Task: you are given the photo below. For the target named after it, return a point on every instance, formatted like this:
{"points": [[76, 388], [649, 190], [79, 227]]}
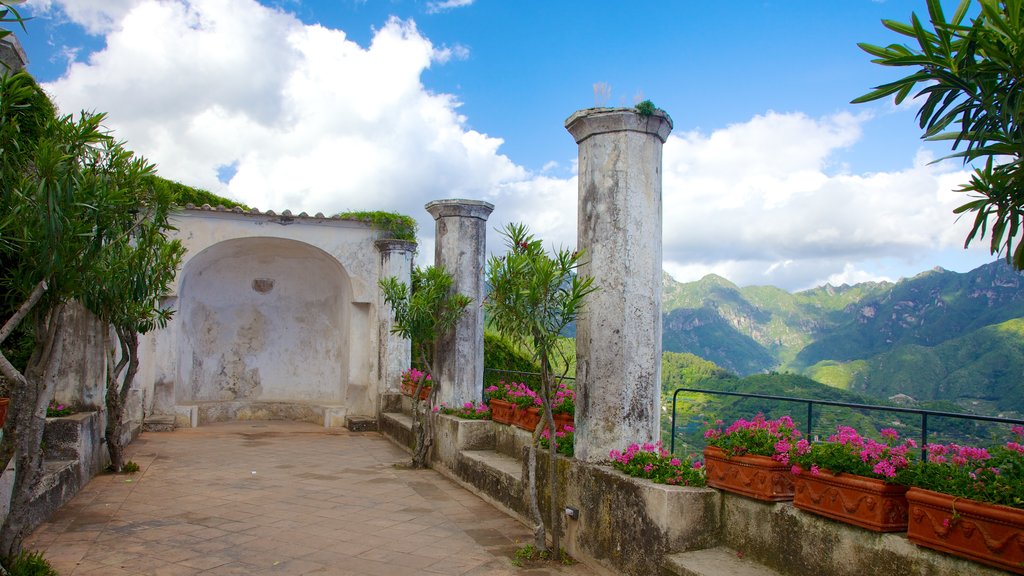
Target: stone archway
{"points": [[263, 320]]}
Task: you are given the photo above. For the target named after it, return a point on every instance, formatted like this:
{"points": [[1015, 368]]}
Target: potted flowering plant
{"points": [[652, 462], [468, 411], [509, 401], [970, 501], [565, 440], [751, 457], [411, 378], [854, 479]]}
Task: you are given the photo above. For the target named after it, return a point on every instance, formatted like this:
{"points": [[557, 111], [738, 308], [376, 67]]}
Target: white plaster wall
{"points": [[263, 319], [311, 338]]}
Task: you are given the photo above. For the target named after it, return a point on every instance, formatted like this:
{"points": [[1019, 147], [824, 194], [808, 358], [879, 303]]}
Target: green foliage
{"points": [[425, 310], [534, 297], [652, 462], [181, 194], [758, 436], [399, 226], [995, 476], [646, 108], [55, 410], [29, 563], [468, 411], [970, 87], [130, 467]]}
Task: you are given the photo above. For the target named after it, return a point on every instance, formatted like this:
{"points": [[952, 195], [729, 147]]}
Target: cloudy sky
{"points": [[770, 176]]}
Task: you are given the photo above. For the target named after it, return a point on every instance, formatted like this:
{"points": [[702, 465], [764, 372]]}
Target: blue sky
{"points": [[771, 176]]}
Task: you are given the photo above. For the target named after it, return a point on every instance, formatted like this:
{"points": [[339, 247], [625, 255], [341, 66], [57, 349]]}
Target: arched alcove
{"points": [[263, 319]]}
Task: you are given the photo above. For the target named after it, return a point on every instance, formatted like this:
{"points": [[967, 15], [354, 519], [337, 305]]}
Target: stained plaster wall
{"points": [[269, 308]]}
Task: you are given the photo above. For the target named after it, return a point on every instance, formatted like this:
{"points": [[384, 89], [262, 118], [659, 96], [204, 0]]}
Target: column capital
{"points": [[394, 245], [586, 123], [460, 208]]}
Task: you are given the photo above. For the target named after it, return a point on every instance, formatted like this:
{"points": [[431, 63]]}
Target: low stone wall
{"points": [[616, 512], [796, 542], [630, 526], [73, 453]]}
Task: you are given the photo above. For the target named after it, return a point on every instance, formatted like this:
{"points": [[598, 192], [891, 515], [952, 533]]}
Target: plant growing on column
{"points": [[425, 312], [534, 297]]}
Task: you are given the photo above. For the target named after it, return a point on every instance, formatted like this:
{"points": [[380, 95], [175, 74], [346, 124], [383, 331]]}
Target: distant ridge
{"points": [[939, 335]]}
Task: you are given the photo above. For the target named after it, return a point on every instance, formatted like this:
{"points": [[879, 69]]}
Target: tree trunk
{"points": [[117, 393], [549, 420], [540, 540], [422, 429], [23, 432]]}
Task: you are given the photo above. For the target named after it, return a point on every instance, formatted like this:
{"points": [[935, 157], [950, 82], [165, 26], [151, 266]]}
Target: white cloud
{"points": [[444, 5], [309, 120], [95, 16], [766, 202]]}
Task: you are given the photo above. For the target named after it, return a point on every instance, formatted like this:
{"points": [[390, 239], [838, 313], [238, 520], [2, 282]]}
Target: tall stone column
{"points": [[394, 351], [461, 248], [618, 335]]}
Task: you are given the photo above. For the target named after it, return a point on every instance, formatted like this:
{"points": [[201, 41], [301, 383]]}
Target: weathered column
{"points": [[12, 55], [460, 247], [394, 351], [618, 336]]}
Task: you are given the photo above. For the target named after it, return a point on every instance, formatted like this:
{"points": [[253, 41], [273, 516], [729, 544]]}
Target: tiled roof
{"points": [[257, 212]]}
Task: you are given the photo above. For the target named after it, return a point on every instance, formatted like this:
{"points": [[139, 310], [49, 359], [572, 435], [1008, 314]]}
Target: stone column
{"points": [[12, 55], [618, 335], [460, 247], [394, 351]]}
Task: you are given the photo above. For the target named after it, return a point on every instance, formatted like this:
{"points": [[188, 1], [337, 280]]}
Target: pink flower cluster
{"points": [[884, 460], [957, 455], [1017, 446], [412, 377], [653, 462], [468, 410], [758, 436]]}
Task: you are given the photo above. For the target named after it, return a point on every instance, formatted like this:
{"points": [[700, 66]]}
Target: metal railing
{"points": [[812, 402]]}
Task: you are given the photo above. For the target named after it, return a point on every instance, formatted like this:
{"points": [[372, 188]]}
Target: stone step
{"points": [[718, 561], [162, 423], [398, 427], [496, 461]]}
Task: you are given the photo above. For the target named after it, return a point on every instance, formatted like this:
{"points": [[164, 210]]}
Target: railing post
{"points": [[810, 425], [672, 429], [924, 437]]}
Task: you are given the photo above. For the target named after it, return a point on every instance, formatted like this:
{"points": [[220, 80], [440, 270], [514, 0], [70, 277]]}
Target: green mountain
{"points": [[937, 336], [695, 411]]}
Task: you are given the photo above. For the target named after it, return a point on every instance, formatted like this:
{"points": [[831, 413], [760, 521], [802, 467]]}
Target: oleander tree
{"points": [[425, 311], [76, 218], [534, 296], [967, 77], [135, 271]]}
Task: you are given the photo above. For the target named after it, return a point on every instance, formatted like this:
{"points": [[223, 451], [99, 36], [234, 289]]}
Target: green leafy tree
{"points": [[425, 311], [534, 298], [50, 236], [970, 84], [134, 273]]}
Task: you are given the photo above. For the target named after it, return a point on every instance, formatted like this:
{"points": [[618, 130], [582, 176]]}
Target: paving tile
{"points": [[322, 502]]}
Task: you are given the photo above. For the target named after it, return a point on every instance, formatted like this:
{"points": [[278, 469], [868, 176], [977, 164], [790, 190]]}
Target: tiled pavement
{"points": [[259, 498]]}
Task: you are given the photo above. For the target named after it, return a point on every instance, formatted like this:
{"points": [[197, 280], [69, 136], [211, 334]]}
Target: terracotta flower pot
{"points": [[527, 418], [866, 502], [502, 411], [986, 533], [409, 389], [757, 477], [563, 420], [4, 403]]}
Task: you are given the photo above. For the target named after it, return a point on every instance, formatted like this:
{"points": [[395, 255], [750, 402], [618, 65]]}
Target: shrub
{"points": [[468, 411], [29, 564]]}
